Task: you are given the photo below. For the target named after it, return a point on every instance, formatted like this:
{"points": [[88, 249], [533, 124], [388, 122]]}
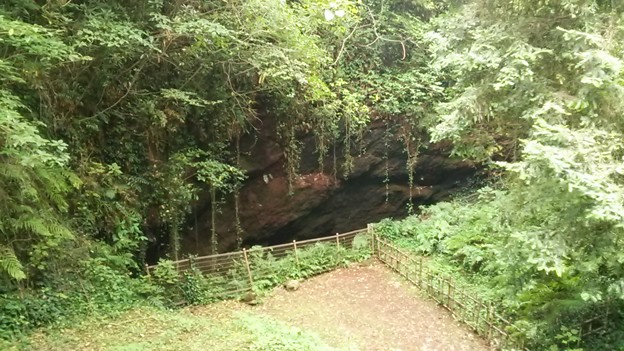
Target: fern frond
{"points": [[12, 171], [10, 264], [34, 225], [60, 231]]}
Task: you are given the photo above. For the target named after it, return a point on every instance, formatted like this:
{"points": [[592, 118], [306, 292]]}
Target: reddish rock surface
{"points": [[322, 204]]}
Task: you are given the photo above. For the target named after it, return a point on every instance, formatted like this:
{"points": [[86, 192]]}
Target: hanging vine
{"points": [[386, 180], [326, 130], [213, 220], [237, 222], [174, 241], [292, 152], [221, 178], [355, 118], [412, 142], [335, 162], [321, 150], [347, 165]]}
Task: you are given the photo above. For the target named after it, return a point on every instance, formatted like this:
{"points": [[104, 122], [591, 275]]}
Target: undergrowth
{"points": [[471, 241], [268, 271], [216, 328], [102, 291], [269, 334], [95, 288]]}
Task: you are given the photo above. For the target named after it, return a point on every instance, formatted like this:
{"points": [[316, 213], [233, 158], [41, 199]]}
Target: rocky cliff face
{"points": [[323, 204]]}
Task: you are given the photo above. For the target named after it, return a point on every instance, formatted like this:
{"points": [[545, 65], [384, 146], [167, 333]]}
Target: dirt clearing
{"points": [[368, 307]]}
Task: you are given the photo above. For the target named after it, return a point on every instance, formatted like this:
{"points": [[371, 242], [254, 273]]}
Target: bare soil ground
{"points": [[367, 307]]}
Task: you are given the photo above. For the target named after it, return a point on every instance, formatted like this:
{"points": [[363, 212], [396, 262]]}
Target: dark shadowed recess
{"points": [[362, 201]]}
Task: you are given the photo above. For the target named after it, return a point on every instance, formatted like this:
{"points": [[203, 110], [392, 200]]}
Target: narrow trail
{"points": [[369, 308]]}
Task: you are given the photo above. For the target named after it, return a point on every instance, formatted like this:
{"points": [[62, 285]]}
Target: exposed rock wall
{"points": [[322, 204]]}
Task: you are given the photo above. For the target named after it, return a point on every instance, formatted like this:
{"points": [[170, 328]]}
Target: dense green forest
{"points": [[115, 115]]}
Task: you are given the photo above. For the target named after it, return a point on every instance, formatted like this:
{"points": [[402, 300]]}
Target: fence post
{"points": [[296, 253], [442, 280], [397, 260], [420, 271], [337, 240], [476, 313], [372, 245], [369, 231], [488, 321], [464, 308], [430, 287], [248, 269], [149, 275], [387, 253], [450, 283]]}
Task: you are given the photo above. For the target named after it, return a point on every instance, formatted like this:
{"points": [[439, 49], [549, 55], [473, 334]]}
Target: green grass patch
{"points": [[220, 327]]}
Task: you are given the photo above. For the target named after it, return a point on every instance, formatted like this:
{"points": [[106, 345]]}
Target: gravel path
{"points": [[369, 308]]}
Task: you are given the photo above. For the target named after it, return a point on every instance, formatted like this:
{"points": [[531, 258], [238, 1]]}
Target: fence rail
{"points": [[344, 239]]}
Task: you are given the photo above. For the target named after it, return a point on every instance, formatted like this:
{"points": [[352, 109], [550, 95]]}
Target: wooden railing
{"points": [[596, 324], [234, 273], [222, 262], [478, 315]]}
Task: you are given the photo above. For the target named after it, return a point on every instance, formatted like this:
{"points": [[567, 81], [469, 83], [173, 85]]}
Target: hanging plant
{"points": [[386, 180], [412, 143]]}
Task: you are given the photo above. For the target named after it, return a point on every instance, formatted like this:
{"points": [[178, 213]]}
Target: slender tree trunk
{"points": [[213, 215], [239, 229], [175, 241]]}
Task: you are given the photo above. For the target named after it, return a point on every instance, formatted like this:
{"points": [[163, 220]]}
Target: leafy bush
{"points": [[268, 271], [99, 289], [484, 244], [321, 257]]}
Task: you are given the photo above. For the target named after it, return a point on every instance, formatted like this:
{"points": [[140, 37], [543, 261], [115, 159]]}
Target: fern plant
{"points": [[10, 264], [33, 185]]}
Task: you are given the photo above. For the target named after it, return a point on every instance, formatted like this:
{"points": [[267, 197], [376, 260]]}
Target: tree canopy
{"points": [[115, 114]]}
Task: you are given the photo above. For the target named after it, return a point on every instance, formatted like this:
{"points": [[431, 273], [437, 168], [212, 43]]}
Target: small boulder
{"points": [[292, 285], [250, 298]]}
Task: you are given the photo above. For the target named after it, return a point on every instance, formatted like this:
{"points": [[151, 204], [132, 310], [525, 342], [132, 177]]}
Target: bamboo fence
{"points": [[236, 272], [478, 315]]}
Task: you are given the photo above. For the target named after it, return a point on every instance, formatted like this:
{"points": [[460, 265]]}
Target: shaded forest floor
{"points": [[365, 307]]}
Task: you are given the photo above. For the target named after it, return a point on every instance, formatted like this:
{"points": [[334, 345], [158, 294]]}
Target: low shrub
{"points": [[98, 289], [489, 247], [268, 271]]}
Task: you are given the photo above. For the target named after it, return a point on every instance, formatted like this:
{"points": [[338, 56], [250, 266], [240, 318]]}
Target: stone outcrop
{"points": [[321, 203]]}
